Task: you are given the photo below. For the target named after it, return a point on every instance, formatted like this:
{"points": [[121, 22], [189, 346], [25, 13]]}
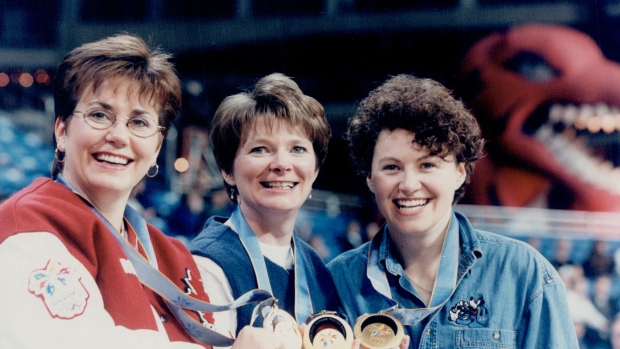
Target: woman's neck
{"points": [[421, 256], [113, 212], [417, 252], [110, 205], [270, 227]]}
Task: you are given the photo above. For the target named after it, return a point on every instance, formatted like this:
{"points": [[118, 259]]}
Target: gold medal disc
{"points": [[378, 331], [285, 326], [326, 330]]}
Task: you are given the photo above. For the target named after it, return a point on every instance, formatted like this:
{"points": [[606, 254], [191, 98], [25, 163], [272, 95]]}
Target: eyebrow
{"points": [[294, 139], [390, 158], [135, 112], [99, 103], [420, 158]]}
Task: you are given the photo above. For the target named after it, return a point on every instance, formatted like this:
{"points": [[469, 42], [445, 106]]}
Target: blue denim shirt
{"points": [[507, 295]]}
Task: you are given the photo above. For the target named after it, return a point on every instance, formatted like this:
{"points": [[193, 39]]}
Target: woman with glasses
{"points": [[80, 268]]}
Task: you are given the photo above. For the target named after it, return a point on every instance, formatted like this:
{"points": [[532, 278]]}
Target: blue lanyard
{"points": [[445, 282], [160, 284], [134, 219], [303, 302]]}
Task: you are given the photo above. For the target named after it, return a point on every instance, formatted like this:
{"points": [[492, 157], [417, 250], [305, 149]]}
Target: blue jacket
{"points": [[222, 245], [507, 295]]}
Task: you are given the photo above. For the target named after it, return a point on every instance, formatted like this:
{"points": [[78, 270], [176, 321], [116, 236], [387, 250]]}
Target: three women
{"points": [[63, 244]]}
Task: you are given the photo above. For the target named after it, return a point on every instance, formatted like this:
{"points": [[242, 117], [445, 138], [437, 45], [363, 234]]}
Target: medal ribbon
{"points": [[303, 303], [151, 277], [445, 282]]}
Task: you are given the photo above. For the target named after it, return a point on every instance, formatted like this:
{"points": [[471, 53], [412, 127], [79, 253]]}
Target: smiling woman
{"points": [[274, 169], [450, 285], [104, 164], [86, 265], [269, 144]]}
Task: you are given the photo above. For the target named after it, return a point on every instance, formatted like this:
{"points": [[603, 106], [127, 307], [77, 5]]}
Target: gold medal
{"points": [[285, 326], [327, 330], [378, 331]]}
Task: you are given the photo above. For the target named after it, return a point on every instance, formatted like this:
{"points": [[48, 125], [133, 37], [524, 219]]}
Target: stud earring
{"points": [[310, 195]]}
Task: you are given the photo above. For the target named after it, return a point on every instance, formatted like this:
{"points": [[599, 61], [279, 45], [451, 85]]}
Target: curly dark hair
{"points": [[425, 107]]}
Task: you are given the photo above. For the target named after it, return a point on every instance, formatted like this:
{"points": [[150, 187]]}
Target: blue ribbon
{"points": [[445, 282], [303, 302], [159, 283]]}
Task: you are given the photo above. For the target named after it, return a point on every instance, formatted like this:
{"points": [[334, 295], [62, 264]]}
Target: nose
{"points": [[281, 162], [118, 133], [410, 182]]}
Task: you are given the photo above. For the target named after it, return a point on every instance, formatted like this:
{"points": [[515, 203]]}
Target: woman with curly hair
{"points": [[448, 284]]}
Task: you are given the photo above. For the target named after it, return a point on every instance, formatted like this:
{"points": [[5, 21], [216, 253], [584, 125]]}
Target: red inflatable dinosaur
{"points": [[548, 102]]}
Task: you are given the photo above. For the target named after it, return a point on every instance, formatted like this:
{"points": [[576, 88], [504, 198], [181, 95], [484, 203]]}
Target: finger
{"points": [[404, 343]]}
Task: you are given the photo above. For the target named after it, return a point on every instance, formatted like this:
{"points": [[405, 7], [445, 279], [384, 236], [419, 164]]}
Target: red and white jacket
{"points": [[65, 282]]}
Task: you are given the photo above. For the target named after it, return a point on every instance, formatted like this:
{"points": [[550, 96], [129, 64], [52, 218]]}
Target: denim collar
{"points": [[470, 249]]}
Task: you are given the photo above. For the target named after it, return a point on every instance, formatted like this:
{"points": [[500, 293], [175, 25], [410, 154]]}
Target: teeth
{"points": [[608, 123], [573, 154], [595, 118], [412, 203], [601, 109], [594, 124], [113, 159], [279, 184]]}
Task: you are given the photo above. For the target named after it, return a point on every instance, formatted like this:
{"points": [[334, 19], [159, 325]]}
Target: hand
{"points": [[257, 338], [302, 329], [404, 343]]}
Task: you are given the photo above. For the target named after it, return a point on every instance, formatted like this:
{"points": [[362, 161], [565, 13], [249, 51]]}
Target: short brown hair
{"points": [[424, 107], [121, 55], [274, 96]]}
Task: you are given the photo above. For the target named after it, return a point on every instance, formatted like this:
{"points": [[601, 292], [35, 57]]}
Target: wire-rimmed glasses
{"points": [[141, 126]]}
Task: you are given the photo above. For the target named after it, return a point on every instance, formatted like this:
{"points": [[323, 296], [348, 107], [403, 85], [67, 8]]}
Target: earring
{"points": [[154, 174], [232, 193], [310, 195], [57, 157]]}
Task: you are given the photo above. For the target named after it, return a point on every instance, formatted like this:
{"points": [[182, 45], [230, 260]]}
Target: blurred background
{"points": [[552, 180]]}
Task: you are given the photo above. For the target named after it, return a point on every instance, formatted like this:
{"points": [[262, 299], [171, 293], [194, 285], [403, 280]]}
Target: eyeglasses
{"points": [[101, 119]]}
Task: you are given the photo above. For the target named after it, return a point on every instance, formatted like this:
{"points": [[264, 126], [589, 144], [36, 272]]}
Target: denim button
{"points": [[496, 335]]}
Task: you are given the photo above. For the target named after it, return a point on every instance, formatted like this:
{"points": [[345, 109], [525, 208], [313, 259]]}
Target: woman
{"points": [[269, 144], [452, 285], [71, 246]]}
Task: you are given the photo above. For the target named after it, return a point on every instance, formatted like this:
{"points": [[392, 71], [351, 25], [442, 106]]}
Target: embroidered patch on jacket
{"points": [[472, 313], [61, 290]]}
